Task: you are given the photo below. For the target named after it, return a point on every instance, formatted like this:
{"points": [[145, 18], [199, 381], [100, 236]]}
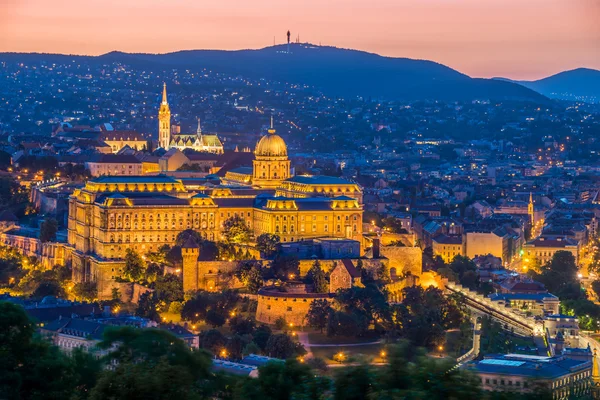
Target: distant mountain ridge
{"points": [[580, 83], [337, 72]]}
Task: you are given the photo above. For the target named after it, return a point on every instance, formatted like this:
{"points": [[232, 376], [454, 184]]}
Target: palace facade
{"points": [[170, 136], [114, 213]]}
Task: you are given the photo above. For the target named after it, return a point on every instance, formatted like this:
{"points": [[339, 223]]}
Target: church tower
{"points": [[271, 165], [530, 209], [164, 121]]}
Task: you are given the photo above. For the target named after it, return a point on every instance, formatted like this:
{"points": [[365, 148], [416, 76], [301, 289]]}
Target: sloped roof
{"points": [[352, 270]]}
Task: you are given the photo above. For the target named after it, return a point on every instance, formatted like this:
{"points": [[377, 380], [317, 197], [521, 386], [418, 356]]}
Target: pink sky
{"points": [[521, 39]]}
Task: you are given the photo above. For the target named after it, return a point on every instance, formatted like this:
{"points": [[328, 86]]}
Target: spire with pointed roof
{"points": [[164, 96], [164, 121], [199, 130]]}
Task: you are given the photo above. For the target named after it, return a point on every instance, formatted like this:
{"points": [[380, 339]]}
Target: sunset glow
{"points": [[515, 38]]}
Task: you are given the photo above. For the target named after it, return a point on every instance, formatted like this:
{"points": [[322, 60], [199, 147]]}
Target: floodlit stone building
{"points": [[114, 213]]}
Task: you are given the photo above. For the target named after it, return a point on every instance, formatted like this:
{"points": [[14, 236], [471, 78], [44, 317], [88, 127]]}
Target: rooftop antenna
{"points": [[288, 36]]}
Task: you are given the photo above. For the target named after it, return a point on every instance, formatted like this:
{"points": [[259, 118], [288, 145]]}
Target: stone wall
{"points": [[403, 259], [292, 308], [48, 254]]}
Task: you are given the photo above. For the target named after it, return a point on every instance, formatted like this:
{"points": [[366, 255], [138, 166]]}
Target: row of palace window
{"points": [[314, 218], [197, 224], [284, 228], [119, 239], [503, 382], [166, 216]]}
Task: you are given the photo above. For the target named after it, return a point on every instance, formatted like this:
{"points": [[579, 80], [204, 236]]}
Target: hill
{"points": [[580, 84], [338, 72]]}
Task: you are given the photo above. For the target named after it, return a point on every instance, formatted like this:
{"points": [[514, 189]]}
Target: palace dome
{"points": [[271, 145]]}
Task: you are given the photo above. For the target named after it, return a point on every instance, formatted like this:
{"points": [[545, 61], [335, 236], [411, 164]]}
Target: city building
{"points": [[114, 164], [170, 136], [117, 140], [114, 213], [447, 247], [534, 303], [543, 249], [563, 376]]}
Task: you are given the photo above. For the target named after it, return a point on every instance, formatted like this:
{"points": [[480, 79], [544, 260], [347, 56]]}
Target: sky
{"points": [[518, 39]]}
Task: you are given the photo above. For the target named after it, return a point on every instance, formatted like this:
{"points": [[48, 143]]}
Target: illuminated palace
{"points": [[170, 136], [114, 213]]}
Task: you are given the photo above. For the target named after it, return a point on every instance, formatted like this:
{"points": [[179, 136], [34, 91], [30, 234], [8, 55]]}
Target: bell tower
{"points": [[530, 209], [164, 121]]}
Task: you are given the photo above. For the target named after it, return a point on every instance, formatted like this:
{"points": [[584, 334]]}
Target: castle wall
{"points": [[292, 309], [48, 254], [404, 259]]}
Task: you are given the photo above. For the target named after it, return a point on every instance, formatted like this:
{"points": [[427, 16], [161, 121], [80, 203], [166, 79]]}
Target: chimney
{"points": [[376, 248]]}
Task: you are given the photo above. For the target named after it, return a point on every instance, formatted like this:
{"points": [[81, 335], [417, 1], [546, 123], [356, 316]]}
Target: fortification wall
{"points": [[48, 254], [292, 309]]}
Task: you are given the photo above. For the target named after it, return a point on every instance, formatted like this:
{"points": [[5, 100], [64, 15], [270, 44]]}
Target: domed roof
{"points": [[271, 145]]}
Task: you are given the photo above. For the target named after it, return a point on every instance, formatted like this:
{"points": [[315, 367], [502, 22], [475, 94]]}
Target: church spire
{"points": [[199, 130], [164, 97]]}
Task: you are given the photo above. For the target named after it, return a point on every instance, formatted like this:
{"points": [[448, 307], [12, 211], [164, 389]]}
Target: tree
{"points": [[368, 305], [283, 381], [267, 244], [48, 288], [261, 336], [31, 368], [317, 277], [354, 383], [147, 306], [596, 287], [318, 314], [465, 269], [151, 364], [213, 341], [183, 237], [235, 347], [559, 276], [48, 230], [425, 314], [213, 308], [153, 272], [344, 323], [115, 295], [88, 291], [134, 265], [285, 267], [235, 230], [241, 325], [251, 348], [250, 274], [168, 288], [282, 346]]}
